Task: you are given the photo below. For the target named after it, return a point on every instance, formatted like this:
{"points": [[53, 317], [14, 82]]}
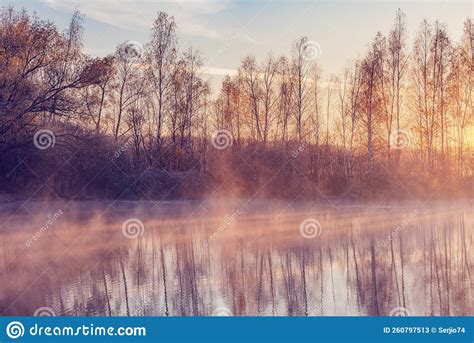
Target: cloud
{"points": [[200, 6], [215, 71], [139, 15], [195, 29]]}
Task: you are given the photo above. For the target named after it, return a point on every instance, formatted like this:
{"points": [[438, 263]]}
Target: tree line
{"points": [[143, 122]]}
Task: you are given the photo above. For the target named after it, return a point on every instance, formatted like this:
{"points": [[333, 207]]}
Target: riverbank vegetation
{"points": [[145, 123]]}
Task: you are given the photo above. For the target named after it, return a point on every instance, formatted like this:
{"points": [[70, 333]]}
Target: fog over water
{"points": [[263, 258]]}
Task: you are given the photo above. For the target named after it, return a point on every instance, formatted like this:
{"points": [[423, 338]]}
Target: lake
{"points": [[241, 258]]}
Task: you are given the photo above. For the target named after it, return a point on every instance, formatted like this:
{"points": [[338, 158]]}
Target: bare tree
{"points": [[286, 90], [461, 95], [161, 54], [40, 69], [95, 95], [397, 60], [371, 69], [128, 85], [430, 56], [269, 94], [253, 86], [301, 67], [354, 108], [316, 115]]}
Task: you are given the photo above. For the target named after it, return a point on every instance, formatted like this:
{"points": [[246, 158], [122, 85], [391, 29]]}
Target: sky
{"points": [[225, 31]]}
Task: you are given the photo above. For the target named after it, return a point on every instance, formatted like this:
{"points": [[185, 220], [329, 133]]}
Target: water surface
{"points": [[215, 258]]}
